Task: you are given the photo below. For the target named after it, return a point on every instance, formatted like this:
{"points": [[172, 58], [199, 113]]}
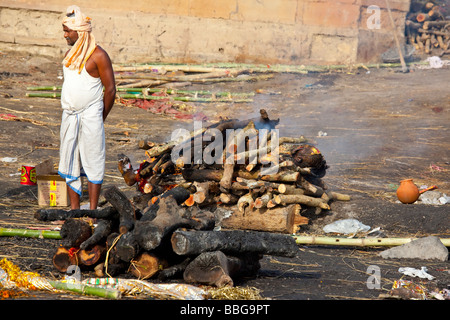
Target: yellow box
{"points": [[52, 191]]}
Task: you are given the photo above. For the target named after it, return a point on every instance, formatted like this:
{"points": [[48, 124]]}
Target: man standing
{"points": [[87, 69]]}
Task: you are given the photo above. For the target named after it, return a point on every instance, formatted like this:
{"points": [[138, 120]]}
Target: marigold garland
{"points": [[19, 277]]}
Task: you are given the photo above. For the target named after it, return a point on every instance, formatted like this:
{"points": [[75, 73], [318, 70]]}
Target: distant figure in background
{"points": [[87, 69]]}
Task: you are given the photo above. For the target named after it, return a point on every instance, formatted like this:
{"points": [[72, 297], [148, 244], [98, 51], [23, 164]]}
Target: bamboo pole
{"points": [[302, 69], [146, 97], [154, 90], [47, 234], [86, 290], [44, 95], [357, 242], [185, 99]]}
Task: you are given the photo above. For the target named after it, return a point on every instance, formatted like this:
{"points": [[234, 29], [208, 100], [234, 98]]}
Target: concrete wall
{"points": [[199, 31]]}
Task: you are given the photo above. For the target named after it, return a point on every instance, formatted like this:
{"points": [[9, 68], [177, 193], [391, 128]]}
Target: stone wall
{"points": [[200, 31]]}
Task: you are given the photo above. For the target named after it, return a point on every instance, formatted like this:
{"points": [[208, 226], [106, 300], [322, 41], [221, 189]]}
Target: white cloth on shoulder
{"points": [[82, 135]]}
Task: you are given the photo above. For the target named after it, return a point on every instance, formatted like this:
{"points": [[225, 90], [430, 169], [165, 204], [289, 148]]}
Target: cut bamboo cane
{"points": [[46, 234], [44, 95], [86, 290], [361, 242], [146, 97], [184, 99]]}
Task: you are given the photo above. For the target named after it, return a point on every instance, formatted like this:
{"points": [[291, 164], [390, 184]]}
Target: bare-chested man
{"points": [[87, 97]]}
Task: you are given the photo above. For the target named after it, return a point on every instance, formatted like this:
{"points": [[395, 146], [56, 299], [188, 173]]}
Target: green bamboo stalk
{"points": [[44, 95], [141, 96], [302, 69], [45, 88], [153, 90], [47, 234], [186, 92], [185, 99], [86, 290], [357, 242]]}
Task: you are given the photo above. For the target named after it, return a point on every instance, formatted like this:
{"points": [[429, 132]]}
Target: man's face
{"points": [[70, 35]]}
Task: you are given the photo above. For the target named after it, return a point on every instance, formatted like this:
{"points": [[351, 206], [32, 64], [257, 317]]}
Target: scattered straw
{"points": [[234, 293]]}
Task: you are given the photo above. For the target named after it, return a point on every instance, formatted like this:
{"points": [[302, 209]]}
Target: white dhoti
{"points": [[82, 149]]}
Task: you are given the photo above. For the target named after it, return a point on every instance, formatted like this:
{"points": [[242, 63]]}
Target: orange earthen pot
{"points": [[407, 192]]}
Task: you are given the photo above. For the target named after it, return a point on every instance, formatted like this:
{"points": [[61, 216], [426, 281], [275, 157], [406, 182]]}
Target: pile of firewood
{"points": [[428, 30], [209, 223]]}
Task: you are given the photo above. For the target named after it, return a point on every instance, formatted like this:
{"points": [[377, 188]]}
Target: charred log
{"points": [[126, 211], [233, 242], [217, 269], [101, 232], [74, 232], [60, 214]]}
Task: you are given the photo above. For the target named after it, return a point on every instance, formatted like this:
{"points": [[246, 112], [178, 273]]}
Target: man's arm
{"points": [[106, 74]]}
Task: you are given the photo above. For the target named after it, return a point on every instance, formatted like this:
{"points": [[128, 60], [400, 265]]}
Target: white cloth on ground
{"points": [[82, 135]]}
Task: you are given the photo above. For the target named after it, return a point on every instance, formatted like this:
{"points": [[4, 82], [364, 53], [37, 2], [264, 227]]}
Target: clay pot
{"points": [[407, 192]]}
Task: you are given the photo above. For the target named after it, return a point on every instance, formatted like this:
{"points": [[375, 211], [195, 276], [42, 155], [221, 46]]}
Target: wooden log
{"points": [[145, 144], [217, 269], [203, 190], [435, 32], [237, 141], [61, 214], [422, 17], [101, 232], [227, 176], [261, 202], [339, 196], [189, 202], [228, 198], [162, 159], [434, 24], [127, 247], [284, 176], [174, 271], [289, 189], [74, 232], [168, 167], [253, 184], [146, 265], [202, 175], [271, 204], [292, 140], [411, 25], [233, 242], [285, 199], [170, 216], [279, 219], [310, 188], [91, 256], [246, 201], [124, 206], [62, 259]]}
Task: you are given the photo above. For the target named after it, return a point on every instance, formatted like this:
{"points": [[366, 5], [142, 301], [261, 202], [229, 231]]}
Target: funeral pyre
{"points": [[206, 222]]}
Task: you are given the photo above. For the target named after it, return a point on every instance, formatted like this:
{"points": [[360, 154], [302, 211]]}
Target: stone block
{"points": [[283, 11], [333, 49], [331, 14]]}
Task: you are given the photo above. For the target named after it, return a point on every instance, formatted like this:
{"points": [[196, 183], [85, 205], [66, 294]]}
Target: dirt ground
{"points": [[374, 128]]}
